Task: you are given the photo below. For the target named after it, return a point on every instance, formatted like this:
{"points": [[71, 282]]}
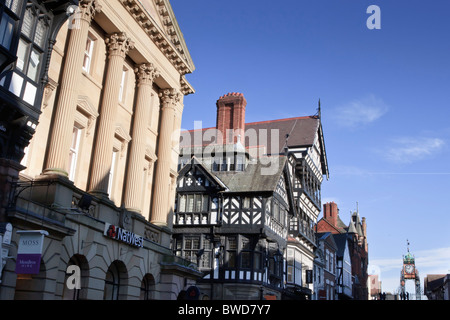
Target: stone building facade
{"points": [[98, 177]]}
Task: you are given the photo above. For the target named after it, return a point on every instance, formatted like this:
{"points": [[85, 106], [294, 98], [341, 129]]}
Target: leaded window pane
{"points": [[198, 203], [232, 244], [41, 32], [34, 64], [205, 203], [28, 21], [22, 53], [6, 30], [13, 5], [182, 204], [245, 260], [190, 203]]}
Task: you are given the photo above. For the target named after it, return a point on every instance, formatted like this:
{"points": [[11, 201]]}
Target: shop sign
{"points": [[120, 234], [29, 252]]}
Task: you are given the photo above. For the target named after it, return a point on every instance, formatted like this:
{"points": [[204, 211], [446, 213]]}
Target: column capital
{"points": [[146, 73], [118, 44], [170, 96], [88, 9]]}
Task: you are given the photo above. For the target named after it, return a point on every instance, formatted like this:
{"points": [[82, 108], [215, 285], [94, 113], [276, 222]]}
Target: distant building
{"points": [[374, 287], [355, 234], [437, 286], [248, 197], [325, 267], [344, 277]]}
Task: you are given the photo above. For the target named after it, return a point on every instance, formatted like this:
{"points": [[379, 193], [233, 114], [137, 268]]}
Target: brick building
{"points": [[356, 235]]}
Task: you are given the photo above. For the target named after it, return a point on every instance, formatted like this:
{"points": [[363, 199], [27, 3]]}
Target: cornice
{"points": [[172, 28], [170, 46], [186, 87]]}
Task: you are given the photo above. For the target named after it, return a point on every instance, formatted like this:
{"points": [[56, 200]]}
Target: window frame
{"points": [[112, 172], [123, 82], [74, 152], [21, 82], [88, 54], [189, 200]]}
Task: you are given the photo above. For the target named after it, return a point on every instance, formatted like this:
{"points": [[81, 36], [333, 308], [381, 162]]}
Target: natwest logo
{"points": [[120, 234]]}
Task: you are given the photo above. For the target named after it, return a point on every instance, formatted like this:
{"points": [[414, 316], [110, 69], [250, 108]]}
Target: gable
{"points": [[153, 11], [194, 177], [281, 189], [157, 19]]}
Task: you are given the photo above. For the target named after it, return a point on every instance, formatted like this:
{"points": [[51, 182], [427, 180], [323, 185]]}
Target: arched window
{"points": [[148, 287], [115, 281]]}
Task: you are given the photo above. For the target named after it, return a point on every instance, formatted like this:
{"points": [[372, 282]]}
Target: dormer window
{"points": [[227, 162]]}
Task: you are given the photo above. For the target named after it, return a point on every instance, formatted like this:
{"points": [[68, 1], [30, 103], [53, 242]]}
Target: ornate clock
{"points": [[409, 272], [409, 266]]}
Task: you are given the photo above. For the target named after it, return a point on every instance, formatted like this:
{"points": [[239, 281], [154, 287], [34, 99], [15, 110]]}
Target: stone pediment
{"points": [[157, 19], [152, 9]]}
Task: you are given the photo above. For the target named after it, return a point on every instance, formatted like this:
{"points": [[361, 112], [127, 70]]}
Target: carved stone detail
{"points": [[172, 49], [88, 9], [170, 96], [119, 44], [48, 91], [146, 73], [151, 235]]}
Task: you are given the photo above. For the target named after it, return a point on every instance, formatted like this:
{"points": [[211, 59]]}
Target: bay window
{"points": [[24, 81]]}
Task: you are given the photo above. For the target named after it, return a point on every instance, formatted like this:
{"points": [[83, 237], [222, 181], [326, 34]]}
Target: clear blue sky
{"points": [[385, 98]]}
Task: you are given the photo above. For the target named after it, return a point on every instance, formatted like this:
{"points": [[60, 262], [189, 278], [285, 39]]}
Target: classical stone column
{"points": [[145, 73], [61, 132], [118, 47], [161, 193]]}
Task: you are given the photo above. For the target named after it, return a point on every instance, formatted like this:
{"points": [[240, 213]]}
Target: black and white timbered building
{"points": [[246, 207]]}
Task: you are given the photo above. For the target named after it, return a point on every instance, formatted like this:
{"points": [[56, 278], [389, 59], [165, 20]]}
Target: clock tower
{"points": [[409, 272]]}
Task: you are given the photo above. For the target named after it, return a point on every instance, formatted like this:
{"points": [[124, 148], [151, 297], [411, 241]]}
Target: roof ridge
{"points": [[284, 119], [259, 122]]}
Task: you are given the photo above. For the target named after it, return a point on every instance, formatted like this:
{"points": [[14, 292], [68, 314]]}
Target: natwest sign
{"points": [[120, 234]]}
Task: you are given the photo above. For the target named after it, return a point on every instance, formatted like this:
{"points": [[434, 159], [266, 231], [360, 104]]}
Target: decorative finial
{"points": [[318, 110]]}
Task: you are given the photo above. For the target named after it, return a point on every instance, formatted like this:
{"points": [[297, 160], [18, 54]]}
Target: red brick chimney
{"points": [[231, 117], [330, 213]]}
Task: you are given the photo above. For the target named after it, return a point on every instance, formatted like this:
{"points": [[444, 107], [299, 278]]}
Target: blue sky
{"points": [[385, 96]]}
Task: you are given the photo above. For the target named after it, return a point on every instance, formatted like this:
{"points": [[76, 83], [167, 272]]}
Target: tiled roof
{"points": [[298, 132], [253, 178]]}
